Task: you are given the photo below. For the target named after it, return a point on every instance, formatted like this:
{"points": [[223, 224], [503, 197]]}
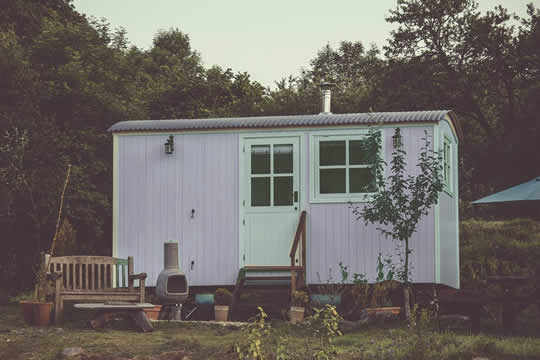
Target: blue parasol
{"points": [[527, 191]]}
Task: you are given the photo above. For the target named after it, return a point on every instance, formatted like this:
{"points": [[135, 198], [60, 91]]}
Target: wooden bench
{"points": [[94, 278]]}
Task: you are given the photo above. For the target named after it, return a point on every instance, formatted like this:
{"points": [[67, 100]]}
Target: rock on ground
{"points": [[72, 353]]}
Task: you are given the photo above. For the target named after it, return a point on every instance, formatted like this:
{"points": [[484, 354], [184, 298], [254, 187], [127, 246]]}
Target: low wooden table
{"points": [[108, 311]]}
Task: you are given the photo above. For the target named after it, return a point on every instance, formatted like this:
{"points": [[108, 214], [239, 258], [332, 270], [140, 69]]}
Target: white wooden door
{"points": [[272, 197]]}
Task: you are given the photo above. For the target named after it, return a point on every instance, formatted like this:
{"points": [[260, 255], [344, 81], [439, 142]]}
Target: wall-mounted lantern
{"points": [[169, 145], [397, 140]]}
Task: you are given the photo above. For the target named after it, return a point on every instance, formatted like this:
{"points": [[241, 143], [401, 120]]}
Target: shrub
{"points": [[256, 332], [299, 298], [222, 296]]}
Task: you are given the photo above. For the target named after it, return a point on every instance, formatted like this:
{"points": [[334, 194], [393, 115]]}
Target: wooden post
{"points": [[293, 277], [304, 262], [58, 303], [130, 272]]}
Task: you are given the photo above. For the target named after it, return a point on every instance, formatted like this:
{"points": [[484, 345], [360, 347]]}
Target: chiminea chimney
{"points": [[326, 97]]}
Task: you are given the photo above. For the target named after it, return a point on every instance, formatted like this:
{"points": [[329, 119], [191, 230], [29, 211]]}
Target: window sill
{"points": [[352, 199]]}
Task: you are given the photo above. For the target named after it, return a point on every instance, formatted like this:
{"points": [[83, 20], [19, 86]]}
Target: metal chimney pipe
{"points": [[326, 97], [170, 255]]}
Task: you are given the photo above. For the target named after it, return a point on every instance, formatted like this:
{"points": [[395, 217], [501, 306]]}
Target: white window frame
{"points": [[447, 164], [346, 135]]}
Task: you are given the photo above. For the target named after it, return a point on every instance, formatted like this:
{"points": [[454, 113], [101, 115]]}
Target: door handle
{"points": [[295, 196]]}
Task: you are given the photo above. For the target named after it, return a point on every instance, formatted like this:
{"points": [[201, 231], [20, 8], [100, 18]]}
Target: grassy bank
{"points": [[18, 341]]}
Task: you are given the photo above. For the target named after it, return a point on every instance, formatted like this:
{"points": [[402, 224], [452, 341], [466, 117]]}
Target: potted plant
{"points": [[153, 313], [41, 306], [298, 300], [330, 293], [222, 298], [380, 294]]}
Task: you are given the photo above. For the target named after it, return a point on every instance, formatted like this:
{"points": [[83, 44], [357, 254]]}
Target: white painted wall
{"points": [[449, 219], [335, 235], [156, 193]]}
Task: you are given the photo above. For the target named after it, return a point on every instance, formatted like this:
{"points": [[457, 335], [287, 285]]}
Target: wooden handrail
{"points": [[300, 234], [299, 230]]}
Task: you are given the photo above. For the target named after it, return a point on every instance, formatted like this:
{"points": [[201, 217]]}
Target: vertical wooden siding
{"points": [[157, 193], [448, 220], [335, 235]]}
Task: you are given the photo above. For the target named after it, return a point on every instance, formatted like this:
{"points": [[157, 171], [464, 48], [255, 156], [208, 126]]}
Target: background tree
{"points": [[401, 200], [475, 65]]}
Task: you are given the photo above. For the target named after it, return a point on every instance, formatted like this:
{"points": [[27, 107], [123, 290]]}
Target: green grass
{"points": [[19, 341]]}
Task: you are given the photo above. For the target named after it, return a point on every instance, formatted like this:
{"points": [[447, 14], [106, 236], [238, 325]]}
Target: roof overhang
{"points": [[294, 121]]}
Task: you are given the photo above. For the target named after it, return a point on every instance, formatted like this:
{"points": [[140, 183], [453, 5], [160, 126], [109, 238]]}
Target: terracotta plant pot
{"points": [[296, 314], [27, 309], [42, 313], [153, 313], [221, 312]]}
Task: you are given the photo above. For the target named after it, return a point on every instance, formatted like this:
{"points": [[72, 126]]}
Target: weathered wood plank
{"points": [[117, 268], [92, 276], [86, 259], [68, 277], [130, 271], [80, 276], [94, 281], [99, 275], [86, 276]]}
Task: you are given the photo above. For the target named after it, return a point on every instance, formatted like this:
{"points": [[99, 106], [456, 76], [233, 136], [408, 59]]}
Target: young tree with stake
{"points": [[401, 199]]}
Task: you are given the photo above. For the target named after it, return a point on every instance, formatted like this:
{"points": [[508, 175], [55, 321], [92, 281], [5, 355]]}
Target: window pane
{"points": [[359, 153], [332, 181], [260, 159], [361, 181], [283, 190], [331, 153], [260, 191], [283, 159]]}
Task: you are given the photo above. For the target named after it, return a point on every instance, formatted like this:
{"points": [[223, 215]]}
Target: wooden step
{"points": [[267, 278], [272, 268]]}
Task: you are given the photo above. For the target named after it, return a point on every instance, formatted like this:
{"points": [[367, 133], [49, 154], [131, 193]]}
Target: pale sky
{"points": [[268, 39]]}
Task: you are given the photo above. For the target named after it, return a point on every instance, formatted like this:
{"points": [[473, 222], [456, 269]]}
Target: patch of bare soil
{"points": [[171, 355]]}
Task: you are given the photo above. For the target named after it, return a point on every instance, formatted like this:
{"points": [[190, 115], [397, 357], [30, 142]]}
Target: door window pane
{"points": [[260, 191], [359, 153], [283, 159], [332, 153], [332, 181], [283, 191], [260, 159], [361, 181]]}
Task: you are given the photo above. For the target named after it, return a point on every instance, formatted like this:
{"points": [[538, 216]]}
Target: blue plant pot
{"points": [[204, 299], [324, 299]]}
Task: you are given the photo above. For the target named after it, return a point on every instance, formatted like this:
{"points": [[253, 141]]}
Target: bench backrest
{"points": [[92, 272]]}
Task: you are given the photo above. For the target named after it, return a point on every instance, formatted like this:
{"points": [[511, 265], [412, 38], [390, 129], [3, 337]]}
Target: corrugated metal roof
{"points": [[281, 121]]}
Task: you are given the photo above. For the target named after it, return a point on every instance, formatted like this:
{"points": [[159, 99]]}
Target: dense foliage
{"points": [[499, 248], [67, 78]]}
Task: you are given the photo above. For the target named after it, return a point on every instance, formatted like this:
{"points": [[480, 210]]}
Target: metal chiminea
{"points": [[171, 288]]}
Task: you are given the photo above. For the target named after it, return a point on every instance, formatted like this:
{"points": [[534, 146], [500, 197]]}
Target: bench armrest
{"points": [[140, 276]]}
